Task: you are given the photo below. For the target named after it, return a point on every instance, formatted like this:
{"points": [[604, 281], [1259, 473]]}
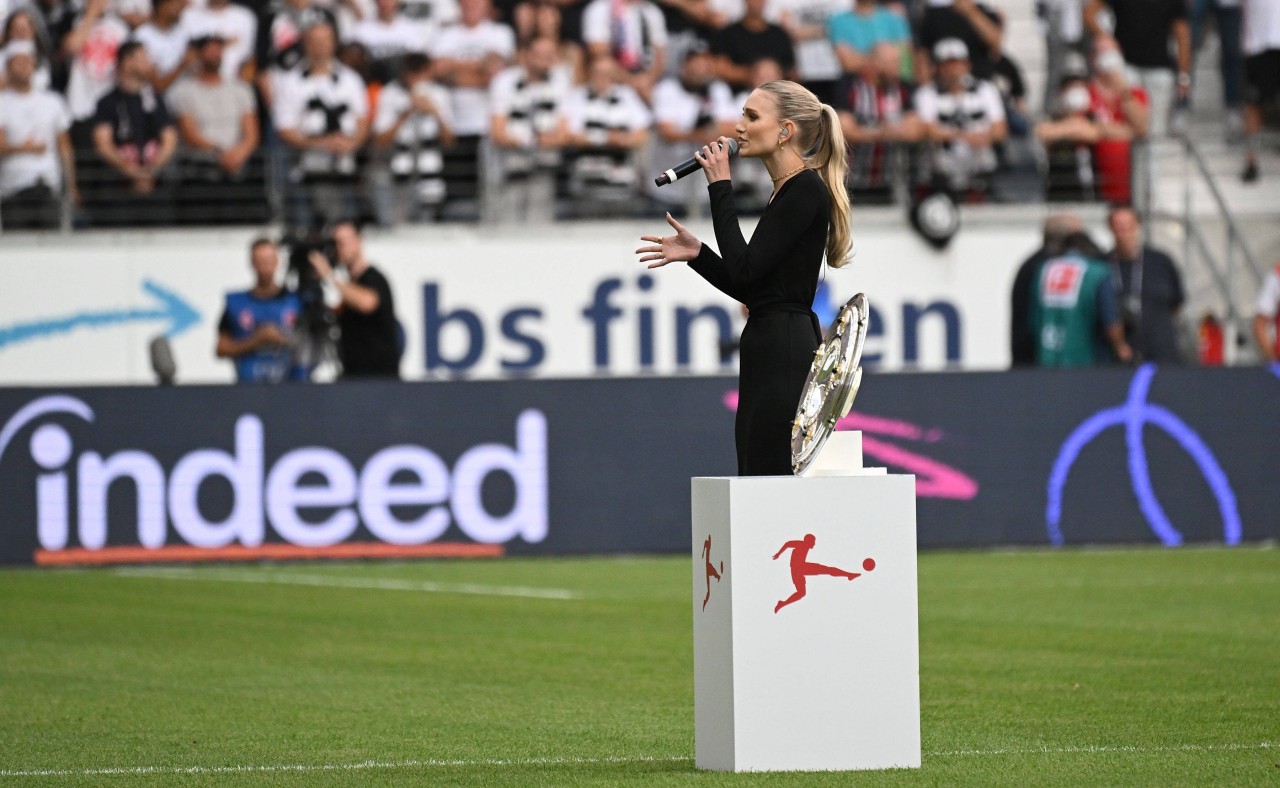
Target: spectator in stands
{"points": [[91, 47], [257, 327], [689, 112], [633, 32], [690, 24], [1149, 288], [133, 12], [217, 123], [279, 49], [608, 126], [322, 115], [412, 126], [36, 158], [1144, 30], [856, 32], [1073, 311], [1228, 17], [1022, 339], [963, 118], [371, 343], [877, 114], [1266, 322], [1006, 75], [974, 23], [1069, 139], [389, 37], [21, 25], [559, 20], [529, 130], [133, 133], [468, 55], [1063, 25], [430, 16], [165, 40], [238, 28], [1262, 73], [740, 45], [1120, 109], [806, 21]]}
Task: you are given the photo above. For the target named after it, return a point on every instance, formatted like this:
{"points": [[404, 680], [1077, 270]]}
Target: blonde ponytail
{"points": [[822, 140], [831, 161]]}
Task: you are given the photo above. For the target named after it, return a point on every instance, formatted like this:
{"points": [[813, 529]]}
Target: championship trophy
{"points": [[831, 385]]}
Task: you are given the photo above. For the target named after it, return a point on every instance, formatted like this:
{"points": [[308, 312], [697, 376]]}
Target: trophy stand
{"points": [[806, 651]]}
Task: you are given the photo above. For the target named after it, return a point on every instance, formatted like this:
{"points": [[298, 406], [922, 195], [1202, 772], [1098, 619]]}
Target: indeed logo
{"points": [[337, 495]]}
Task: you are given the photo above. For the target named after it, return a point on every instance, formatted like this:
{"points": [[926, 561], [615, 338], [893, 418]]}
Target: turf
{"points": [[1117, 667]]}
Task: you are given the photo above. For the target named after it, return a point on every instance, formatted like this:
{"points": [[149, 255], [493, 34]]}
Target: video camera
{"points": [[317, 324]]}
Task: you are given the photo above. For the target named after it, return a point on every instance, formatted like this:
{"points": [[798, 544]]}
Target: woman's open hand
{"points": [[683, 246]]}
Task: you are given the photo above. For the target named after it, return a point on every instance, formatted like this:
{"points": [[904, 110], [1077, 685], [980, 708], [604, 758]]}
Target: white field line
{"points": [[379, 584], [328, 767], [519, 762], [1104, 748]]}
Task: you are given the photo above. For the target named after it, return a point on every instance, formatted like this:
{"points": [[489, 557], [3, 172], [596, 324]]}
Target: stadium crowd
{"points": [[130, 112]]}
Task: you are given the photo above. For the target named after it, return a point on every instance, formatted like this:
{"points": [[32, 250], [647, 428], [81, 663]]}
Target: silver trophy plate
{"points": [[832, 383]]}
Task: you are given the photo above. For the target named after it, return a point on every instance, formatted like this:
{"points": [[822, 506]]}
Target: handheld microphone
{"points": [[689, 165]]}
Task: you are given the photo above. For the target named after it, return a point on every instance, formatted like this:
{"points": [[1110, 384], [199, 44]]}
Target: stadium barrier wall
{"points": [[135, 474], [567, 301]]}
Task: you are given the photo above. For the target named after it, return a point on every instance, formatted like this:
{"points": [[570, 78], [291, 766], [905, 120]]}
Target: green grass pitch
{"points": [[1071, 667]]}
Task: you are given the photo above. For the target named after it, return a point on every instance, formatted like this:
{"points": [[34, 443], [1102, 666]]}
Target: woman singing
{"points": [[776, 274]]}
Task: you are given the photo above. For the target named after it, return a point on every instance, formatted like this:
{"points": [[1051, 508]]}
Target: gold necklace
{"points": [[785, 175]]}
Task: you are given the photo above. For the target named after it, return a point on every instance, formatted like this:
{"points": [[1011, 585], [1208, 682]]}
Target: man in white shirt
{"points": [[322, 115], [165, 39], [35, 149], [527, 132], [91, 47], [217, 122], [413, 126], [609, 126], [633, 32], [388, 37], [235, 24], [468, 56], [963, 118]]}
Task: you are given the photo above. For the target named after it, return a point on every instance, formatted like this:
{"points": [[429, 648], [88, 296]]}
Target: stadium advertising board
{"points": [[82, 310], [107, 475]]}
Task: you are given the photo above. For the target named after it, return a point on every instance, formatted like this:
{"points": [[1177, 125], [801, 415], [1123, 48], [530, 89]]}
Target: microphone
{"points": [[689, 165], [162, 361]]}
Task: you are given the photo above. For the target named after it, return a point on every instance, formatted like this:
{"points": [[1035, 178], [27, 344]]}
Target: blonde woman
{"points": [[775, 275]]}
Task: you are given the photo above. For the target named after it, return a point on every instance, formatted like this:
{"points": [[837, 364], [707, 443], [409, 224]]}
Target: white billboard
{"points": [[564, 301]]}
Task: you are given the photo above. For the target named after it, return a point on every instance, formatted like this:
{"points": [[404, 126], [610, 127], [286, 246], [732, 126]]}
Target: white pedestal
{"points": [[830, 680]]}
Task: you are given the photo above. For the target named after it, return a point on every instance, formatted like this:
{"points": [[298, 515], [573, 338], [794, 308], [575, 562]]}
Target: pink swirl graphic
{"points": [[934, 479]]}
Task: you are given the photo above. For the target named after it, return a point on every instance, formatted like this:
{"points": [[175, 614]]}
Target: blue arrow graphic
{"points": [[170, 307]]}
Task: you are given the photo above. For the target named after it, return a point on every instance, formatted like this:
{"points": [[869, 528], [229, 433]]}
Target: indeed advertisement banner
{"points": [[571, 302], [111, 475]]}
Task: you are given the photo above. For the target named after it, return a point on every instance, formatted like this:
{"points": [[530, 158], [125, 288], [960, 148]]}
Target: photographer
{"points": [[370, 344], [257, 326]]}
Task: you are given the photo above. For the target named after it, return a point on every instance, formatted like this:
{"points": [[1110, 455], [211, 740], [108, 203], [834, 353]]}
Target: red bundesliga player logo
{"points": [[711, 570], [802, 568]]}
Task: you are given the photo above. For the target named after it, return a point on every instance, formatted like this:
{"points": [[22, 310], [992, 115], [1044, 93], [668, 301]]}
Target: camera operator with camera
{"points": [[370, 344], [257, 329]]}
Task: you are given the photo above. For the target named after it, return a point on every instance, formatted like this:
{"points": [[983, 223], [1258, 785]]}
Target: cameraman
{"points": [[370, 345], [257, 325]]}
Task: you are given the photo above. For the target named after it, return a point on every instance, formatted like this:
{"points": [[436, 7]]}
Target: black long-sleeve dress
{"points": [[776, 277]]}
